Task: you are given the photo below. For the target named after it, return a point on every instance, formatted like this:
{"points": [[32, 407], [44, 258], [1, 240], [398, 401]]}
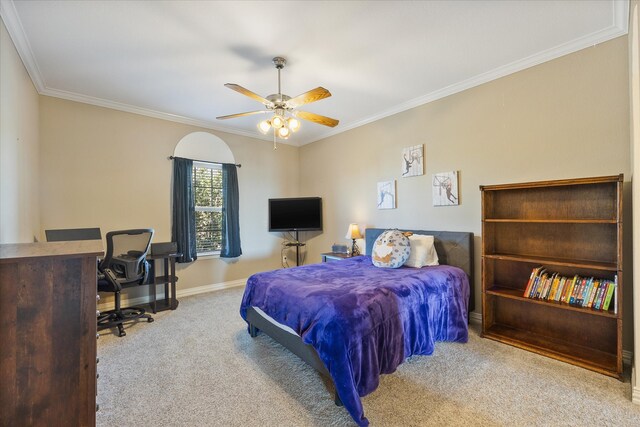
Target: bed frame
{"points": [[453, 248]]}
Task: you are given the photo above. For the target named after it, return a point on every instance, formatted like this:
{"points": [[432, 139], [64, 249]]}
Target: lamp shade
{"points": [[353, 232]]}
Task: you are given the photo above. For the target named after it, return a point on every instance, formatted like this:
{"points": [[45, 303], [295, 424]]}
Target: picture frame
{"points": [[445, 189], [386, 196], [413, 161]]}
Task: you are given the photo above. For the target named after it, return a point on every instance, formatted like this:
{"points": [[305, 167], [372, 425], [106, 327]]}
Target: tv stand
{"points": [[297, 244]]}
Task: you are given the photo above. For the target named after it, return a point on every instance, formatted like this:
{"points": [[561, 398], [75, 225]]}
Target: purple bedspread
{"points": [[363, 320]]}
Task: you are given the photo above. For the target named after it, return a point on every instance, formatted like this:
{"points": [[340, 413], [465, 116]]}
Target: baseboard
{"points": [[635, 395], [475, 318], [210, 288], [129, 302]]}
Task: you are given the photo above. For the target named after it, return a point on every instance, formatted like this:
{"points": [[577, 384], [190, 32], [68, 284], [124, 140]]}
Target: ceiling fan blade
{"points": [[316, 118], [233, 116], [248, 93], [308, 97]]}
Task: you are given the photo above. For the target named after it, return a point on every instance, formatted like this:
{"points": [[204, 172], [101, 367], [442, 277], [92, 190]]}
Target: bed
{"points": [[353, 321]]}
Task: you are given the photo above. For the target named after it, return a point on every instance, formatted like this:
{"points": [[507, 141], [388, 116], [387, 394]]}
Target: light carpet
{"points": [[198, 366]]}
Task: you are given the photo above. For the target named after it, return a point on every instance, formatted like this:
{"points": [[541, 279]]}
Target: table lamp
{"points": [[354, 233]]}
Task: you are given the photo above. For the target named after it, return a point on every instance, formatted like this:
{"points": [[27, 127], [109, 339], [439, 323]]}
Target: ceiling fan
{"points": [[285, 116]]}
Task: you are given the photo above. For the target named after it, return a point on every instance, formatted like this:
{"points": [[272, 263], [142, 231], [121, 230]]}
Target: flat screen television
{"points": [[301, 213]]}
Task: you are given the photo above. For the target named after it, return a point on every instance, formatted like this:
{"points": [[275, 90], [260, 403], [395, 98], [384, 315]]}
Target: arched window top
{"points": [[204, 146]]}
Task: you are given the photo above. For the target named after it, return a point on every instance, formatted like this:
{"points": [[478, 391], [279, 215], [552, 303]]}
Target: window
{"points": [[207, 186]]}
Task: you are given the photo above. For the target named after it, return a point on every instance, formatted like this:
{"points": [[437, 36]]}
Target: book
{"points": [[615, 294], [604, 294], [597, 303], [561, 285], [610, 291], [585, 292], [553, 283], [588, 291], [541, 283], [569, 289], [577, 293], [557, 289], [534, 284], [577, 300], [593, 293], [532, 278], [603, 289], [547, 286], [554, 288]]}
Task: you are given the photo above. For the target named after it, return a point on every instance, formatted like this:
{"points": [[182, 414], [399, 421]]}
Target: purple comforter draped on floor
{"points": [[362, 320]]}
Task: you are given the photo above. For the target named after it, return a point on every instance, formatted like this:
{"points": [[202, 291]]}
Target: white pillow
{"points": [[423, 251]]}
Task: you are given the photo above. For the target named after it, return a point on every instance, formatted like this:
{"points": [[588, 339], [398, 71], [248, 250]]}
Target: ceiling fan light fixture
{"points": [[284, 132], [293, 124], [264, 126], [277, 122]]}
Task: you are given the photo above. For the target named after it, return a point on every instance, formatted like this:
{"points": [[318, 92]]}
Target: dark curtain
{"points": [[183, 231], [230, 217]]}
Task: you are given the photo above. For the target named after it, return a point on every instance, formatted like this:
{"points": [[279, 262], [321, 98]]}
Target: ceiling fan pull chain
{"points": [[275, 144]]}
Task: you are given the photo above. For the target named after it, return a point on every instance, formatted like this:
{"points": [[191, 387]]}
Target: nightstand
{"points": [[333, 256]]}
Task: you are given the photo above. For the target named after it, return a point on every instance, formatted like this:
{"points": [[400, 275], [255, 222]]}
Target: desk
{"points": [[168, 279]]}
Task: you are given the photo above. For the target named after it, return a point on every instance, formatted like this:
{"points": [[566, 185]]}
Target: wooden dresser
{"points": [[48, 333]]}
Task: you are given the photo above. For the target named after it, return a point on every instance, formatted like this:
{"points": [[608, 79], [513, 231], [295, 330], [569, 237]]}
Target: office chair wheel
{"points": [[121, 331], [150, 319]]}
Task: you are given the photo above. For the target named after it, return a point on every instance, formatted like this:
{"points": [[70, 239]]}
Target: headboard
{"points": [[453, 247]]}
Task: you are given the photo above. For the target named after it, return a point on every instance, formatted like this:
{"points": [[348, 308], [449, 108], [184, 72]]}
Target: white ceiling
{"points": [[171, 59]]}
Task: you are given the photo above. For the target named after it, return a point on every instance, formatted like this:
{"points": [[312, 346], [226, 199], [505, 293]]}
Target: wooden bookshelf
{"points": [[570, 227]]}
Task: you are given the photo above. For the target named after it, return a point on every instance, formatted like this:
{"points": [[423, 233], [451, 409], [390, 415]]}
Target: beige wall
{"points": [[563, 119], [109, 169], [19, 221]]}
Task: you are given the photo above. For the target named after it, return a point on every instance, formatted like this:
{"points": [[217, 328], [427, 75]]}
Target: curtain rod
{"points": [[205, 161]]}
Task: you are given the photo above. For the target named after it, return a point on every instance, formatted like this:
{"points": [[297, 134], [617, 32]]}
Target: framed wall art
{"points": [[387, 194], [445, 189], [413, 161]]}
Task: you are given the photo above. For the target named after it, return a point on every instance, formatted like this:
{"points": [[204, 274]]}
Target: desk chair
{"points": [[123, 266]]}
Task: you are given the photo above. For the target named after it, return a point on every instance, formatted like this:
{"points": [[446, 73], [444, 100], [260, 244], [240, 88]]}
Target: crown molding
{"points": [[100, 102], [11, 20], [618, 27]]}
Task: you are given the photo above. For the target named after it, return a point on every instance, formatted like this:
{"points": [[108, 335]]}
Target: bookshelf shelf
{"points": [[516, 294], [595, 265], [553, 221], [579, 355], [571, 227]]}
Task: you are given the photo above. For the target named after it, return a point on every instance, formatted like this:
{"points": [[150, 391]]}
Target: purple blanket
{"points": [[364, 321]]}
